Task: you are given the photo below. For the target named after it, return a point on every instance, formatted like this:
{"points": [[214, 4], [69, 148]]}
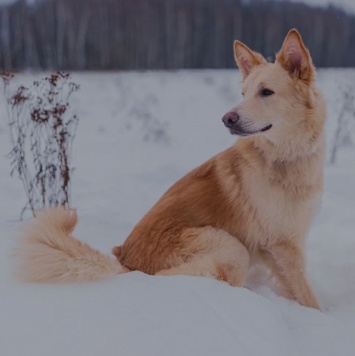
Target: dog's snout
{"points": [[230, 118]]}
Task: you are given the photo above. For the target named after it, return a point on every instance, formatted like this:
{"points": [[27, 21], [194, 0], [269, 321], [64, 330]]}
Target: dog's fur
{"points": [[250, 204]]}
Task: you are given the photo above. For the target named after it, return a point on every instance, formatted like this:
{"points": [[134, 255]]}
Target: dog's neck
{"points": [[289, 166], [289, 150]]}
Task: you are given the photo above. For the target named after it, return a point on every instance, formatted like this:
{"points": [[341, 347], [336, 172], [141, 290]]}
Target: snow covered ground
{"points": [[138, 133]]}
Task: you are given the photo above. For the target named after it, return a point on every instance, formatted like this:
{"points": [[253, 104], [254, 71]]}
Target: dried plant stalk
{"points": [[42, 134]]}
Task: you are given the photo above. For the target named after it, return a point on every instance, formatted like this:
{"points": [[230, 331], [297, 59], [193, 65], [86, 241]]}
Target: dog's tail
{"points": [[48, 253]]}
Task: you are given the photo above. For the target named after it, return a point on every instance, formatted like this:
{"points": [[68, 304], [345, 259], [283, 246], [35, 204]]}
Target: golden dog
{"points": [[251, 204]]}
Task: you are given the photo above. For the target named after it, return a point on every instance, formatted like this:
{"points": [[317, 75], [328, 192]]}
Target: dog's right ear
{"points": [[246, 58]]}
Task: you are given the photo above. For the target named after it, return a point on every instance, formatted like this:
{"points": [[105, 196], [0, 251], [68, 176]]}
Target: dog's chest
{"points": [[282, 205]]}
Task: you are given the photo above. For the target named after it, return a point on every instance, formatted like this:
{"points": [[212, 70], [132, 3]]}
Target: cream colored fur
{"points": [[248, 206], [48, 252]]}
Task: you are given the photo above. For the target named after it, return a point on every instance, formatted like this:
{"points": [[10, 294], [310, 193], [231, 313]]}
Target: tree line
{"points": [[164, 34]]}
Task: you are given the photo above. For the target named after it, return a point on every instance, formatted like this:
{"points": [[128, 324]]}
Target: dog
{"points": [[249, 205]]}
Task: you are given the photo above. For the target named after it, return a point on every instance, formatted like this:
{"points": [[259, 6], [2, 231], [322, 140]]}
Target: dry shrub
{"points": [[343, 136], [42, 133]]}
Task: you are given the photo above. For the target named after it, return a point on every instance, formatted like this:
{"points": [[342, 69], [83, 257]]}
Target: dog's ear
{"points": [[246, 58], [295, 57]]}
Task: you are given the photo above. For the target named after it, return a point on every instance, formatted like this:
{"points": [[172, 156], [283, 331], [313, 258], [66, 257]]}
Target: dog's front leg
{"points": [[289, 265]]}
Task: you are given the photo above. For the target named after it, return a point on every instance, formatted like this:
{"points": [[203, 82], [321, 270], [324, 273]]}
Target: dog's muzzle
{"points": [[232, 121]]}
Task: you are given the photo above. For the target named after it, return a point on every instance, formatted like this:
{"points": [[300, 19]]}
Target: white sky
{"points": [[348, 5]]}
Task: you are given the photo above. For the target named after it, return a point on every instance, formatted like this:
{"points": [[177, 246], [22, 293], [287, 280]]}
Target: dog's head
{"points": [[276, 96]]}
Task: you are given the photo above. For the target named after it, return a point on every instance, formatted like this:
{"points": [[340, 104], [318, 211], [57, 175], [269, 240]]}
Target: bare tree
{"points": [[164, 34]]}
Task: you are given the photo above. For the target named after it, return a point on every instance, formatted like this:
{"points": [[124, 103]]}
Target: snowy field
{"points": [[139, 132]]}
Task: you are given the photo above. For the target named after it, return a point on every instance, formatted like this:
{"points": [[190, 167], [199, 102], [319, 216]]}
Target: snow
{"points": [[122, 168]]}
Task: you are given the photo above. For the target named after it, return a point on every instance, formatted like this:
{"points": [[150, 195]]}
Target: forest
{"points": [[164, 34]]}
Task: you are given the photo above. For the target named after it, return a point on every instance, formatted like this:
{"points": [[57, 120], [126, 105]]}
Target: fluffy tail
{"points": [[48, 253]]}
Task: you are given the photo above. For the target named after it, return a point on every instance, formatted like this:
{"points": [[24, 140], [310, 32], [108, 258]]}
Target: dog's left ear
{"points": [[295, 57]]}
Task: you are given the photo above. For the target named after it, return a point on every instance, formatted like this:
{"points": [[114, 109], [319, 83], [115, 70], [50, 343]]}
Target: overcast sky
{"points": [[348, 5]]}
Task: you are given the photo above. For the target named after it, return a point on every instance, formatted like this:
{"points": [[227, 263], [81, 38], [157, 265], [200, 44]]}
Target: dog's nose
{"points": [[230, 118]]}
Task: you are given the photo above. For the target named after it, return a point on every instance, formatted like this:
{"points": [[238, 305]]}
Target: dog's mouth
{"points": [[240, 131]]}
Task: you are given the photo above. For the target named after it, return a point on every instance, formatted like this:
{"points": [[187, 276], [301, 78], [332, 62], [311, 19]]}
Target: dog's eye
{"points": [[267, 92]]}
